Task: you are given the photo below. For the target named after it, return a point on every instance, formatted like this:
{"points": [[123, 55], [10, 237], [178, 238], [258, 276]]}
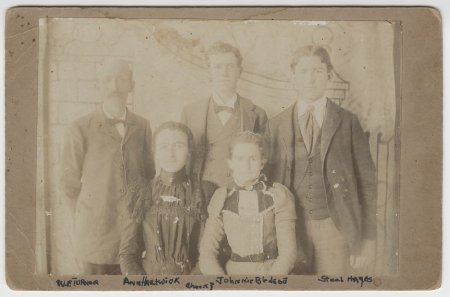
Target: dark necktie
{"points": [[309, 129]]}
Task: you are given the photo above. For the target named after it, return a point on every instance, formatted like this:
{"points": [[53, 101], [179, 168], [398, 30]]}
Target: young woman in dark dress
{"points": [[160, 233]]}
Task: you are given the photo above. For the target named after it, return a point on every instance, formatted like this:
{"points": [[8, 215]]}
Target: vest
{"points": [[309, 188], [218, 137]]}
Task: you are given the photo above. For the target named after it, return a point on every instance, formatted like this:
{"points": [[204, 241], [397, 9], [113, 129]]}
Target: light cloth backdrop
{"points": [[170, 71]]}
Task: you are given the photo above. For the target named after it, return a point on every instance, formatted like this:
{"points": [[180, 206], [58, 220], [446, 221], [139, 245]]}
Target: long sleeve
{"points": [[212, 236], [131, 245], [285, 217], [205, 191], [366, 179], [72, 162]]}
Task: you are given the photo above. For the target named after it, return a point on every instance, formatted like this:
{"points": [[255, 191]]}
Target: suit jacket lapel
{"points": [[301, 164], [286, 134], [248, 116], [198, 126], [330, 125], [198, 123], [131, 126]]}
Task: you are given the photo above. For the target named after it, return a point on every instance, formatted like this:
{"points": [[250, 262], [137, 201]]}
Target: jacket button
{"points": [[122, 191], [310, 212]]}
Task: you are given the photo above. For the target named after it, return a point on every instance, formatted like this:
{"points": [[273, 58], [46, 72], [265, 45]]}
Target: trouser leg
{"points": [[331, 252]]}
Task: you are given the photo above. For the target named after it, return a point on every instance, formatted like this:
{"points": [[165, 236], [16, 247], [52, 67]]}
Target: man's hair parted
{"points": [[311, 51]]}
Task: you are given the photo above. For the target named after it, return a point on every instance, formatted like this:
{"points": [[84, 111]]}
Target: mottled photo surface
{"points": [[209, 147]]}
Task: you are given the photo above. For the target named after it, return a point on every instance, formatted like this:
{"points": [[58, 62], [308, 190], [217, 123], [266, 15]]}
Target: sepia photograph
{"points": [[219, 147], [215, 153]]}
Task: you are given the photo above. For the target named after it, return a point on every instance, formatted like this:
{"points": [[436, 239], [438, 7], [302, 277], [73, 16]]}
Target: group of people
{"points": [[224, 190]]}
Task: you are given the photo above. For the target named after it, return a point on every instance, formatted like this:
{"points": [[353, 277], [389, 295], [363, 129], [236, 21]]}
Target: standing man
{"points": [[106, 158], [215, 120], [319, 151]]}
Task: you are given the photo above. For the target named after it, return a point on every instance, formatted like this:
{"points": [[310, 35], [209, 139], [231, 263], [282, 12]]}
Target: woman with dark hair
{"points": [[168, 214]]}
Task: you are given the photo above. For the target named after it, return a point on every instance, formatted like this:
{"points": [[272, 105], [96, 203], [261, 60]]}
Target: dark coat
{"points": [[253, 118], [349, 174], [103, 172]]}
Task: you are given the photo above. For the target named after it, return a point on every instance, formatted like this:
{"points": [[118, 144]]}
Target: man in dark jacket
{"points": [[215, 120], [319, 151], [106, 160]]}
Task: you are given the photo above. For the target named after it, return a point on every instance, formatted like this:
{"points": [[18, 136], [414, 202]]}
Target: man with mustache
{"points": [[106, 159]]}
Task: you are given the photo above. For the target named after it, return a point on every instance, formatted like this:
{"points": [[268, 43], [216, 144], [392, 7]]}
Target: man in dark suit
{"points": [[320, 152], [106, 160], [216, 119]]}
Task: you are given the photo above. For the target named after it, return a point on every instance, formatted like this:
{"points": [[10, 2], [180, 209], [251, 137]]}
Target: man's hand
{"points": [[366, 257]]}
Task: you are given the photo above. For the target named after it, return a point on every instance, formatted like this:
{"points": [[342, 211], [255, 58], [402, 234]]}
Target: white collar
{"points": [[220, 102], [319, 108], [109, 116]]}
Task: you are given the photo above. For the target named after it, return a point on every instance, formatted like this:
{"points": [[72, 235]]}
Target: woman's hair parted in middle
{"points": [[174, 126]]}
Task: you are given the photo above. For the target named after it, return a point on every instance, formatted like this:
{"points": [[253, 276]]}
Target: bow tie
{"points": [[115, 121], [219, 108]]}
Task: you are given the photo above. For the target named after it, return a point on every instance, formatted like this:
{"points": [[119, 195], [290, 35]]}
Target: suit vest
{"points": [[309, 188], [218, 137]]}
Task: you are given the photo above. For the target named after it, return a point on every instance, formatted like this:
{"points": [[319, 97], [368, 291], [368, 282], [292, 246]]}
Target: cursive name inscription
{"points": [[74, 282], [360, 279]]}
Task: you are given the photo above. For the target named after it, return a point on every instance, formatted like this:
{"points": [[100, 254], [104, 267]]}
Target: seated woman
{"points": [[257, 220], [168, 214]]}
